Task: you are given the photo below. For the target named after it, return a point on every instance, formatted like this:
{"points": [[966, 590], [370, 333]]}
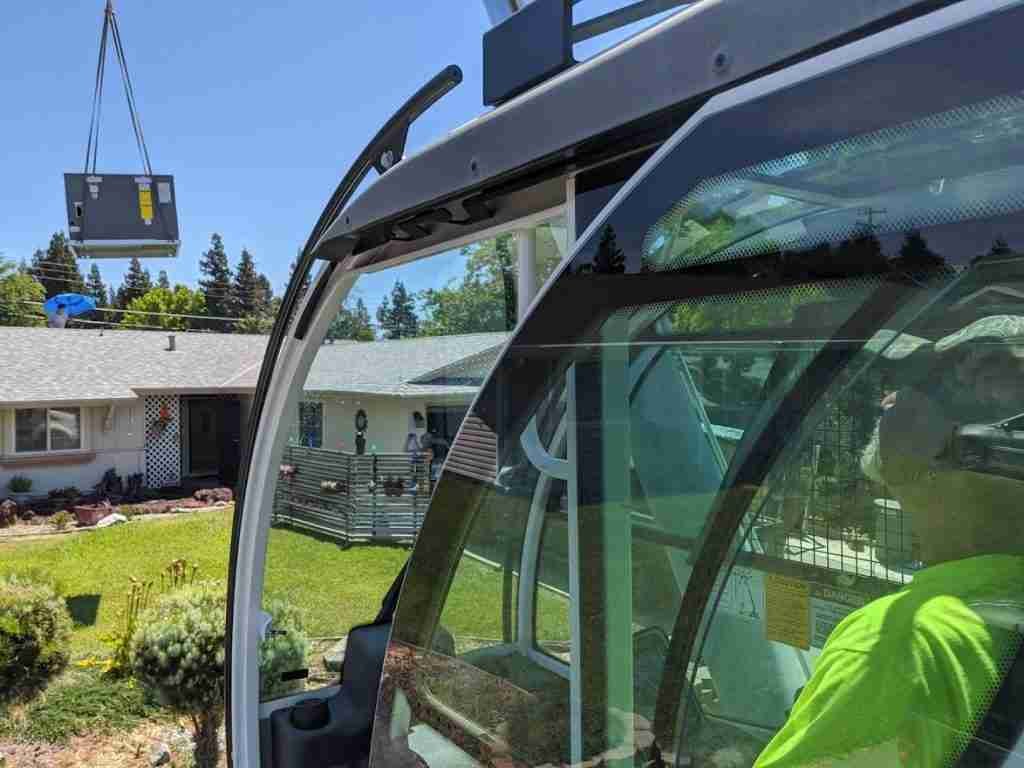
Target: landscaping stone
{"points": [[159, 754], [334, 657], [212, 495], [111, 519]]}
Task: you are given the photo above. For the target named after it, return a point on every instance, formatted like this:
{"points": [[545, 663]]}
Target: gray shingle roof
{"points": [[395, 367], [51, 365]]}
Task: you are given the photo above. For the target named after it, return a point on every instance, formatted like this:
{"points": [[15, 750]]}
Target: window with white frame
{"points": [[39, 430]]}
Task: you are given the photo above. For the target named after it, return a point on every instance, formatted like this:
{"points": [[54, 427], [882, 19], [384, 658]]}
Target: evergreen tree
{"points": [[137, 283], [397, 316], [216, 288], [57, 269], [95, 287], [20, 296], [351, 323], [162, 281], [246, 287], [266, 292]]}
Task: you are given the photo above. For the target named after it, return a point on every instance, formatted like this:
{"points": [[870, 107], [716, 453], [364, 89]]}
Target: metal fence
{"points": [[351, 498]]}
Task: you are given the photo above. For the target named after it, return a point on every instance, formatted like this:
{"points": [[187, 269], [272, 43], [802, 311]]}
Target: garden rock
{"points": [[213, 495], [112, 519], [335, 657], [8, 513], [159, 754]]}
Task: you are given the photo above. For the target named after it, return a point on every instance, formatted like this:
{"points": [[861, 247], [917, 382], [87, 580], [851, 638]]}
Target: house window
{"points": [[311, 425], [47, 429]]}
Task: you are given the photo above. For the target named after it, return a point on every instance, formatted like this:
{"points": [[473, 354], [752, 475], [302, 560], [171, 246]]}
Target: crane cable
{"points": [[111, 31]]}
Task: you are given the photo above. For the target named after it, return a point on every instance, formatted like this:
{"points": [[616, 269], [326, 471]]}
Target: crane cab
{"points": [[711, 501]]}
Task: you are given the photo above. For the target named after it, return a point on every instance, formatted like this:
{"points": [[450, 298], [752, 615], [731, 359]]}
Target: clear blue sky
{"points": [[257, 108]]}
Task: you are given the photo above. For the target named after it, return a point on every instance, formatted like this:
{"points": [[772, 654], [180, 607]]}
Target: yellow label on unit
{"points": [[146, 203]]}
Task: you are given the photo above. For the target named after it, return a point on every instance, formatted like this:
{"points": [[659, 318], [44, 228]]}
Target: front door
{"points": [[204, 452]]}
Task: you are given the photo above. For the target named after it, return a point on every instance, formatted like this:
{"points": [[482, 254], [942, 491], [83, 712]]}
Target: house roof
{"points": [[423, 366], [46, 365], [51, 364]]}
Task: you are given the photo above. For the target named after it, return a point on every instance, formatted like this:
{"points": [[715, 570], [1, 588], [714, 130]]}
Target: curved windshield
{"points": [[759, 450]]}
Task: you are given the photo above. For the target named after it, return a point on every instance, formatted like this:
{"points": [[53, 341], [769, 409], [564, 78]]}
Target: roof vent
{"points": [[171, 343]]}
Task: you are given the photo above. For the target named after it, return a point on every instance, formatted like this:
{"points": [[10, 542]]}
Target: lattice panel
{"points": [[163, 441]]}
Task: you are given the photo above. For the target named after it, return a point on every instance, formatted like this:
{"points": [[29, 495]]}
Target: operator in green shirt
{"points": [[907, 679]]}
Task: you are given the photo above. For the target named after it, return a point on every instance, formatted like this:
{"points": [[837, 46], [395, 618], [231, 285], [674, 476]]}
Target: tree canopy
{"points": [[351, 323], [57, 269], [19, 295], [216, 287], [397, 314], [157, 303]]}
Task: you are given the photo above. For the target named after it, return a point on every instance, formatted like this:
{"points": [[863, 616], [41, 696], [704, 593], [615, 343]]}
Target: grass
{"points": [[80, 702], [335, 588]]}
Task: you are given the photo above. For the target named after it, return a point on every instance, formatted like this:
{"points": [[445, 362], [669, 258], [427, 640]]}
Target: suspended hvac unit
{"points": [[119, 215]]}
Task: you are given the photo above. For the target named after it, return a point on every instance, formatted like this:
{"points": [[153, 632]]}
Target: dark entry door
{"points": [[203, 433]]}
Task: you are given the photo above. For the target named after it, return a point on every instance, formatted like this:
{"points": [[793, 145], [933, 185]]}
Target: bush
{"points": [[283, 651], [62, 520], [20, 484], [178, 653], [8, 513], [35, 633]]}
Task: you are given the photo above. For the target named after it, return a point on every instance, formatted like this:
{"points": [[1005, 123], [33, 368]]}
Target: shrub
{"points": [[61, 520], [20, 484], [8, 513], [35, 633], [285, 650], [178, 653]]}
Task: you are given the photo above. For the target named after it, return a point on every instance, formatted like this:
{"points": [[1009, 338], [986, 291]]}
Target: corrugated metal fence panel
{"points": [[475, 451], [363, 503]]}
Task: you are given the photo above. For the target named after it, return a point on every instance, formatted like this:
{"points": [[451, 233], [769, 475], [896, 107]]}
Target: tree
{"points": [[246, 291], [137, 283], [216, 287], [162, 281], [157, 303], [95, 287], [254, 324], [352, 323], [397, 316], [57, 269], [20, 295], [484, 299]]}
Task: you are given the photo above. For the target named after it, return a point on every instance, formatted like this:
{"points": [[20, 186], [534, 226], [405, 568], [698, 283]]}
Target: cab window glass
{"points": [[372, 424], [792, 399]]}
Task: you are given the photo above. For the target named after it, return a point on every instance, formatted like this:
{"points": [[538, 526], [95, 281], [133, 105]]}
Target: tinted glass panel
{"points": [[30, 429], [65, 429], [791, 399]]}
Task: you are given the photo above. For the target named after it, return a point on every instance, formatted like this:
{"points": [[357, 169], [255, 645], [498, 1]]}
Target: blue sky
{"points": [[257, 108]]}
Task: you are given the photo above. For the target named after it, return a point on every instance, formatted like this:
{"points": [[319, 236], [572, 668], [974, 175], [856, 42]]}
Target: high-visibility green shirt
{"points": [[906, 679]]}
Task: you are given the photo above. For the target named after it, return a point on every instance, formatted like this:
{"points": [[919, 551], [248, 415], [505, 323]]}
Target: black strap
{"points": [[111, 31]]}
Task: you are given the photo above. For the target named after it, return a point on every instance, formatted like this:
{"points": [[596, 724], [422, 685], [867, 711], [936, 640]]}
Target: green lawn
{"points": [[335, 588]]}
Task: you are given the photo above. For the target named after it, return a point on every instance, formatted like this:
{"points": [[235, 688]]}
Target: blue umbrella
{"points": [[74, 304]]}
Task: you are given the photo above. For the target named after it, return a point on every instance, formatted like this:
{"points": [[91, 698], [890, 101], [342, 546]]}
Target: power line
{"points": [[144, 312]]}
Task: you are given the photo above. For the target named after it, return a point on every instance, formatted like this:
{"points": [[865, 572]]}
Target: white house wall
{"points": [[114, 443], [389, 420]]}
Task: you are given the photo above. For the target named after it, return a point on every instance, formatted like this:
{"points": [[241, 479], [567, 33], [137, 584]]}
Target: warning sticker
{"points": [[146, 202], [787, 603]]}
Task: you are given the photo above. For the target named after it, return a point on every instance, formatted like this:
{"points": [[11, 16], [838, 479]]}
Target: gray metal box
{"points": [[121, 215]]}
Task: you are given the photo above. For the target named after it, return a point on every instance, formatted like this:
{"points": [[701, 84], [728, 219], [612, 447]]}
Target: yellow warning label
{"points": [[146, 203], [787, 610]]}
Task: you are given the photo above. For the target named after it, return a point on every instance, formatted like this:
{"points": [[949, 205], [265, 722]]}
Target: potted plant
{"points": [[89, 514], [20, 485]]}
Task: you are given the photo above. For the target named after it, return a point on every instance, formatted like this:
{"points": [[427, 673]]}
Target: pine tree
{"points": [[397, 316], [57, 269], [95, 287], [137, 283], [216, 287], [246, 287], [266, 292], [162, 281]]}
